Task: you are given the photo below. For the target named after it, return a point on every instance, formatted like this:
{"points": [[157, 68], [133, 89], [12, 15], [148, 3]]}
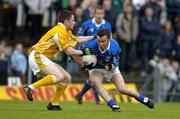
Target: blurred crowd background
{"points": [[148, 31]]}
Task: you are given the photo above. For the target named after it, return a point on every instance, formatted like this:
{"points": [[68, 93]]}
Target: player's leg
{"points": [[96, 78], [54, 104], [52, 76], [118, 80], [85, 88], [96, 96], [60, 89], [42, 65]]}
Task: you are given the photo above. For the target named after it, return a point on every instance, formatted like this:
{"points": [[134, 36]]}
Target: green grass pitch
{"points": [[71, 110]]}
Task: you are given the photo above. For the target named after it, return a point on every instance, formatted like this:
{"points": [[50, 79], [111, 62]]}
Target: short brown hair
{"points": [[64, 15], [99, 7]]}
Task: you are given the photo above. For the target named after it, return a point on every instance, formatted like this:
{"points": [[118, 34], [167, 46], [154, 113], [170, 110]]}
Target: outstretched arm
{"points": [[82, 39], [71, 51]]}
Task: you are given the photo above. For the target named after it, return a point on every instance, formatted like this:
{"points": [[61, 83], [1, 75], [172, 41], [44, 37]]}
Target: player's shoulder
{"points": [[114, 46], [107, 23], [88, 22], [114, 43], [59, 28]]}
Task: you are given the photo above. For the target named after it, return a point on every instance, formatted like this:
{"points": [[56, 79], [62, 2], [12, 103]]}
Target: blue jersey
{"points": [[90, 28], [107, 57]]}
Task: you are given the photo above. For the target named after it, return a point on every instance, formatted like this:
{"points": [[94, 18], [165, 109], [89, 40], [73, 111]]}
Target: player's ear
{"points": [[66, 21]]}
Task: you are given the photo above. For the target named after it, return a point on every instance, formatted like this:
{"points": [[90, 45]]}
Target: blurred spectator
{"points": [[127, 30], [36, 9], [155, 7], [149, 33], [134, 9], [118, 5], [57, 5], [89, 11], [3, 64], [9, 17], [168, 76], [177, 48], [110, 13], [78, 18], [173, 9], [72, 5], [19, 63], [138, 3], [166, 41], [174, 80], [177, 25]]}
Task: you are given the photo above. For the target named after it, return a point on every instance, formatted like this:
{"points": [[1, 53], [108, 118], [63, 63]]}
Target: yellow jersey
{"points": [[56, 39]]}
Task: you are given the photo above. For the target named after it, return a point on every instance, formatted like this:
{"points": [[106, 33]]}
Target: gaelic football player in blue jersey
{"points": [[91, 27], [107, 51]]}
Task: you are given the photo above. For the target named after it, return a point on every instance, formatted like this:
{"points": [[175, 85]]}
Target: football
{"points": [[88, 59]]}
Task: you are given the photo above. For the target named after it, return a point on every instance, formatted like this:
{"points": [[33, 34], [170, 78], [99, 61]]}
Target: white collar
{"points": [[98, 25], [104, 50]]}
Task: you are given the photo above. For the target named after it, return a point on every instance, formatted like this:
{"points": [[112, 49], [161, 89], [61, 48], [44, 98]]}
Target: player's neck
{"points": [[67, 29], [98, 22]]}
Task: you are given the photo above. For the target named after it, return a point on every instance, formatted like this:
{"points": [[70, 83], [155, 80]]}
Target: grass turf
{"points": [[71, 110]]}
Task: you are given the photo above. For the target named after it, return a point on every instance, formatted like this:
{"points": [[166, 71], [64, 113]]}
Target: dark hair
{"points": [[64, 15], [103, 32]]}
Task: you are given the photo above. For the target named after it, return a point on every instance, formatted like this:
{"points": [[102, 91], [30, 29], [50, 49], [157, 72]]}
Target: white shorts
{"points": [[107, 74], [38, 61]]}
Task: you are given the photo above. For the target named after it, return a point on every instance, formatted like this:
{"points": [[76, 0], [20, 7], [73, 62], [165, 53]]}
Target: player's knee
{"points": [[68, 78], [59, 78], [122, 89]]}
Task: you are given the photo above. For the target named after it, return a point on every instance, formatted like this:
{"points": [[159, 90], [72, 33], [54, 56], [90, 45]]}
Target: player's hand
{"points": [[87, 51], [88, 67]]}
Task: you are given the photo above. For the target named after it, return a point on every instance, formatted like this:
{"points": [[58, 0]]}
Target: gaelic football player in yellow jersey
{"points": [[59, 38]]}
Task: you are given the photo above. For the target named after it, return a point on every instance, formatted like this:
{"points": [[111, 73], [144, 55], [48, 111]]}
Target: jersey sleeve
{"points": [[116, 51], [64, 40], [68, 40], [90, 44]]}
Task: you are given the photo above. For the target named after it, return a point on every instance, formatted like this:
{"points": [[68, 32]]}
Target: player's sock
{"points": [[60, 88], [96, 95], [141, 98], [48, 80], [145, 100], [111, 102], [113, 105], [86, 87]]}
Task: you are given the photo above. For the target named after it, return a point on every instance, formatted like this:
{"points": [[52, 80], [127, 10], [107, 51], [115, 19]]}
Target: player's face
{"points": [[99, 15], [71, 22], [103, 42]]}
